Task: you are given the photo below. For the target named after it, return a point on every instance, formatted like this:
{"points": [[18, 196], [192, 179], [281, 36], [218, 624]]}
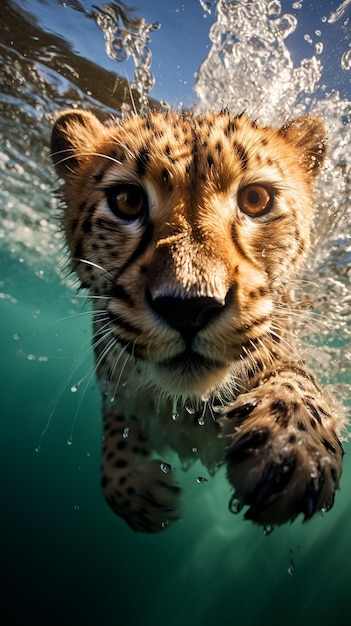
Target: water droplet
{"points": [[274, 8], [291, 566], [166, 468], [318, 47], [201, 479], [318, 33], [190, 410], [297, 5], [88, 453], [308, 38], [218, 408], [164, 524], [16, 336], [38, 449], [201, 420], [194, 450], [346, 60], [235, 505], [76, 507], [267, 530], [206, 6], [323, 19], [175, 416], [74, 388], [155, 26], [69, 441], [125, 433]]}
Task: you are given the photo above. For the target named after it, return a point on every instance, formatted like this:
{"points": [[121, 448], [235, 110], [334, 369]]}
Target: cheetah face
{"points": [[186, 231]]}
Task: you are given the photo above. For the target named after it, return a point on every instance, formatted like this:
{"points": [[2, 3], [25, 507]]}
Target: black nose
{"points": [[187, 315]]}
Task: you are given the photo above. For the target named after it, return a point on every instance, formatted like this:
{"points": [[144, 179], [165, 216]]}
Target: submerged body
{"points": [[189, 233]]}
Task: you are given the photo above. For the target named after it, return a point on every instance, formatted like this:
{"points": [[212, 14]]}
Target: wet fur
{"points": [[193, 308]]}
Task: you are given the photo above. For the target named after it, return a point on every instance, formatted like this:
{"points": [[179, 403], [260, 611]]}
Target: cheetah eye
{"points": [[255, 200], [127, 201]]}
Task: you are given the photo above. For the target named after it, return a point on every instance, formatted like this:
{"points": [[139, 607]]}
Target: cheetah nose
{"points": [[187, 315]]}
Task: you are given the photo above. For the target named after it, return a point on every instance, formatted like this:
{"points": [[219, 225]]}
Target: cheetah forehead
{"points": [[174, 146]]}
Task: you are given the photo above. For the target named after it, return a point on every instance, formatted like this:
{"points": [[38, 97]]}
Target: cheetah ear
{"points": [[74, 137], [308, 135]]}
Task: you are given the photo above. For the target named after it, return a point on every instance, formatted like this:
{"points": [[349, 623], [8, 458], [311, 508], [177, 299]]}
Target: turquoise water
{"points": [[66, 559]]}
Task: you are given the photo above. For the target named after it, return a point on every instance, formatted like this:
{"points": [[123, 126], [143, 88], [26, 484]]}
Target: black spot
{"points": [[231, 128], [86, 226], [74, 225], [122, 480], [242, 154], [328, 446], [121, 463], [78, 251], [99, 176], [142, 160], [301, 426], [312, 409], [168, 154], [209, 160], [245, 445], [218, 147], [130, 491], [121, 445], [241, 412], [280, 410], [103, 481], [110, 455]]}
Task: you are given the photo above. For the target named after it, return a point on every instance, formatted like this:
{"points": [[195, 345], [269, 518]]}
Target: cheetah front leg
{"points": [[140, 490], [282, 451]]}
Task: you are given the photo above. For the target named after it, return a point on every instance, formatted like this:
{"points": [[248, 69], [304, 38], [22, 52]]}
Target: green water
{"points": [[66, 559]]}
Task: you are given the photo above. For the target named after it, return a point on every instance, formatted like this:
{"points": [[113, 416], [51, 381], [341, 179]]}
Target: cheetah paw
{"points": [[280, 461], [146, 496]]}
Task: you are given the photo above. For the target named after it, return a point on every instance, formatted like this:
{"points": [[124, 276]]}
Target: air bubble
{"points": [[166, 468], [267, 530], [164, 524], [69, 441], [308, 38], [201, 420], [235, 505], [318, 47], [201, 479], [195, 450], [346, 60], [76, 507], [125, 433], [74, 388], [175, 416], [38, 449]]}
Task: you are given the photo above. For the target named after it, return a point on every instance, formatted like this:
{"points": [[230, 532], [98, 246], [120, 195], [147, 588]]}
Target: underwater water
{"points": [[66, 559]]}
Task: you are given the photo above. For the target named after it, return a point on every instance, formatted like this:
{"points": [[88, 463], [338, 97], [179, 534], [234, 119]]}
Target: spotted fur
{"points": [[189, 233]]}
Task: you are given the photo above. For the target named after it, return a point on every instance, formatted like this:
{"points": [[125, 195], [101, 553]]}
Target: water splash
{"points": [[127, 37]]}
